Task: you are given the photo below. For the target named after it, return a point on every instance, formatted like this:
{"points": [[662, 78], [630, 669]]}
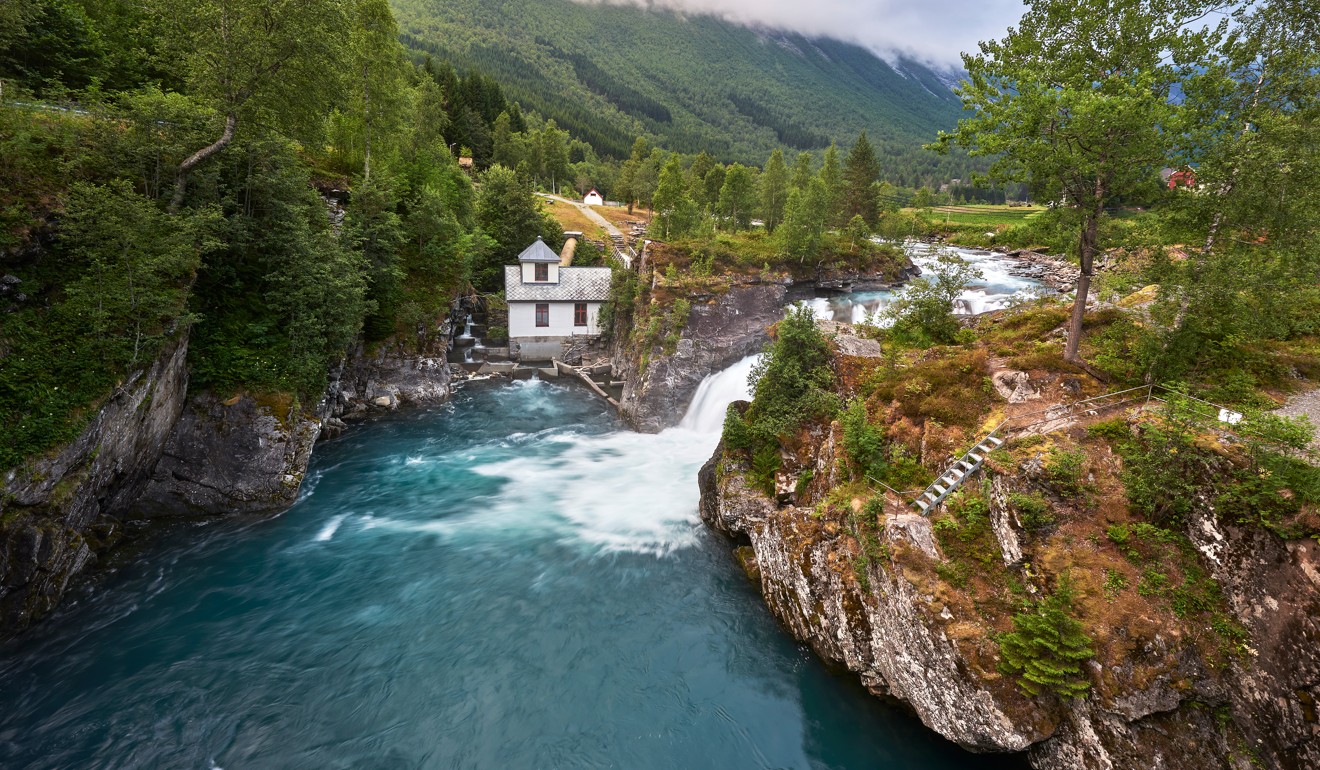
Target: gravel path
{"points": [[1307, 404], [591, 214]]}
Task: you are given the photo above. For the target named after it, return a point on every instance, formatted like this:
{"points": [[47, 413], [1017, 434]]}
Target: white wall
{"points": [[522, 320], [529, 274], [593, 200]]}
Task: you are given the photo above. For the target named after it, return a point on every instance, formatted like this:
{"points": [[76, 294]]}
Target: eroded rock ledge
{"points": [[906, 637]]}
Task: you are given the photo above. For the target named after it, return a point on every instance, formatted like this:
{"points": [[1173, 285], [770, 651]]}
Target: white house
{"points": [[593, 198], [550, 304]]}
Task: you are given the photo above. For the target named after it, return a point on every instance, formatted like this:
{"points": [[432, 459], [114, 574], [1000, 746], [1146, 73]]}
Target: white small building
{"points": [[550, 304], [593, 198]]}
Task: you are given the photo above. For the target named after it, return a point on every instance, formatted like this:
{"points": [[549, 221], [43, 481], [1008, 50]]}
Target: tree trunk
{"points": [[196, 159], [1086, 253], [366, 124]]}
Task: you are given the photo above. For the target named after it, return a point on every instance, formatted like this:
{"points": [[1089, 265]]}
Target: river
{"points": [[997, 288], [511, 580]]}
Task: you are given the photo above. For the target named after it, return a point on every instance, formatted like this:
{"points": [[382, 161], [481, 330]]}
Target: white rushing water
{"points": [[996, 289], [617, 491]]}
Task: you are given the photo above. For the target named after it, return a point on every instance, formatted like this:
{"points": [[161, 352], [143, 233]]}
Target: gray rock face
{"points": [[234, 456], [1013, 386], [889, 635], [1159, 707], [385, 378], [57, 511], [719, 332], [242, 456], [1004, 523]]}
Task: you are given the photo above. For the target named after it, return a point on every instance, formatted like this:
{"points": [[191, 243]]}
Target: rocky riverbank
{"points": [[1205, 636], [57, 511], [154, 450]]}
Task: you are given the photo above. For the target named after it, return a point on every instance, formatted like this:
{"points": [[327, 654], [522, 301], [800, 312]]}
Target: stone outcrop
{"points": [[878, 610], [387, 377], [231, 456], [891, 635], [58, 511], [721, 330], [154, 451], [249, 455]]}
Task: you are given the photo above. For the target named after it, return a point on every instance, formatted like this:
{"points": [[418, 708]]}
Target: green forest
{"points": [[159, 179], [608, 74]]}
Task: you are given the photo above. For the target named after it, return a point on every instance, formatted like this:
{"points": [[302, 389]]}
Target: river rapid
{"points": [[997, 288], [511, 580]]}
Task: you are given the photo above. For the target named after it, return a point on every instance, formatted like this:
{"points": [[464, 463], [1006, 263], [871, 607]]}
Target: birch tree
{"points": [[1075, 102], [276, 61]]}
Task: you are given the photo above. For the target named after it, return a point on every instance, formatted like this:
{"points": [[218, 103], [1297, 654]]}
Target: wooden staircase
{"points": [[954, 477]]}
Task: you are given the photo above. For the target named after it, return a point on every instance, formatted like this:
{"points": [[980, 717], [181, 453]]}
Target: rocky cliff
{"points": [[58, 511], [730, 311], [249, 455], [720, 330], [152, 450], [888, 601]]}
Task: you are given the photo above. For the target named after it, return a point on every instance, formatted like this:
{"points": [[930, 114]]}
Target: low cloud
{"points": [[934, 31]]}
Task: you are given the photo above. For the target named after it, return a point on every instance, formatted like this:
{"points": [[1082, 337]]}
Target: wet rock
{"points": [[54, 508], [232, 456], [719, 332]]}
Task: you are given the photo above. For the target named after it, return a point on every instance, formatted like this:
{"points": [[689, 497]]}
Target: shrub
{"points": [[765, 464], [1112, 429], [1063, 472], [1159, 472], [923, 312], [862, 441], [792, 381], [1033, 511], [1047, 646]]}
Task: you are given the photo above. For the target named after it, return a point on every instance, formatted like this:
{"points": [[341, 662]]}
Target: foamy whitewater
{"points": [[995, 290], [619, 490]]}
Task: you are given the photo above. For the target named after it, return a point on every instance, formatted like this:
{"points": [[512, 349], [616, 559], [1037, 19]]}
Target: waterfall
{"points": [[467, 327], [706, 412]]}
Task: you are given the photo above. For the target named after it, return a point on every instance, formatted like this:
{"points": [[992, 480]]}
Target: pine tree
{"points": [[774, 191], [831, 173], [860, 171], [1047, 647]]}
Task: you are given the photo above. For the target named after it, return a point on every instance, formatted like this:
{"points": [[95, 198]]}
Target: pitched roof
{"points": [[538, 252], [576, 284]]}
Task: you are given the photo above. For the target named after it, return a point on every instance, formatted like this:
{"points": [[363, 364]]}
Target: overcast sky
{"points": [[935, 31]]}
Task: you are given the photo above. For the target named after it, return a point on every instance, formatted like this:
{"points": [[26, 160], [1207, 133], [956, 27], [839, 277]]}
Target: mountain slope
{"points": [[611, 72]]}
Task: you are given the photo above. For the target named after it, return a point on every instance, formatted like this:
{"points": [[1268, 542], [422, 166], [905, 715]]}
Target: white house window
{"points": [[579, 314], [542, 272], [542, 310]]}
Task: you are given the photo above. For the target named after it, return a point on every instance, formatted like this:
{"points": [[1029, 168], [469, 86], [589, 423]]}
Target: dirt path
{"points": [[591, 214]]}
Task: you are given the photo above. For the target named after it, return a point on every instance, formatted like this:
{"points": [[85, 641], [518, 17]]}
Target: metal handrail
{"points": [[1062, 410]]}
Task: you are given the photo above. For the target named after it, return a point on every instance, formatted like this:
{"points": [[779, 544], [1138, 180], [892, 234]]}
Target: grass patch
{"points": [[946, 384]]}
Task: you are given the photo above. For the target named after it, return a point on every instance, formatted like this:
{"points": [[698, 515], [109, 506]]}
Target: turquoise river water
{"points": [[511, 580]]}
